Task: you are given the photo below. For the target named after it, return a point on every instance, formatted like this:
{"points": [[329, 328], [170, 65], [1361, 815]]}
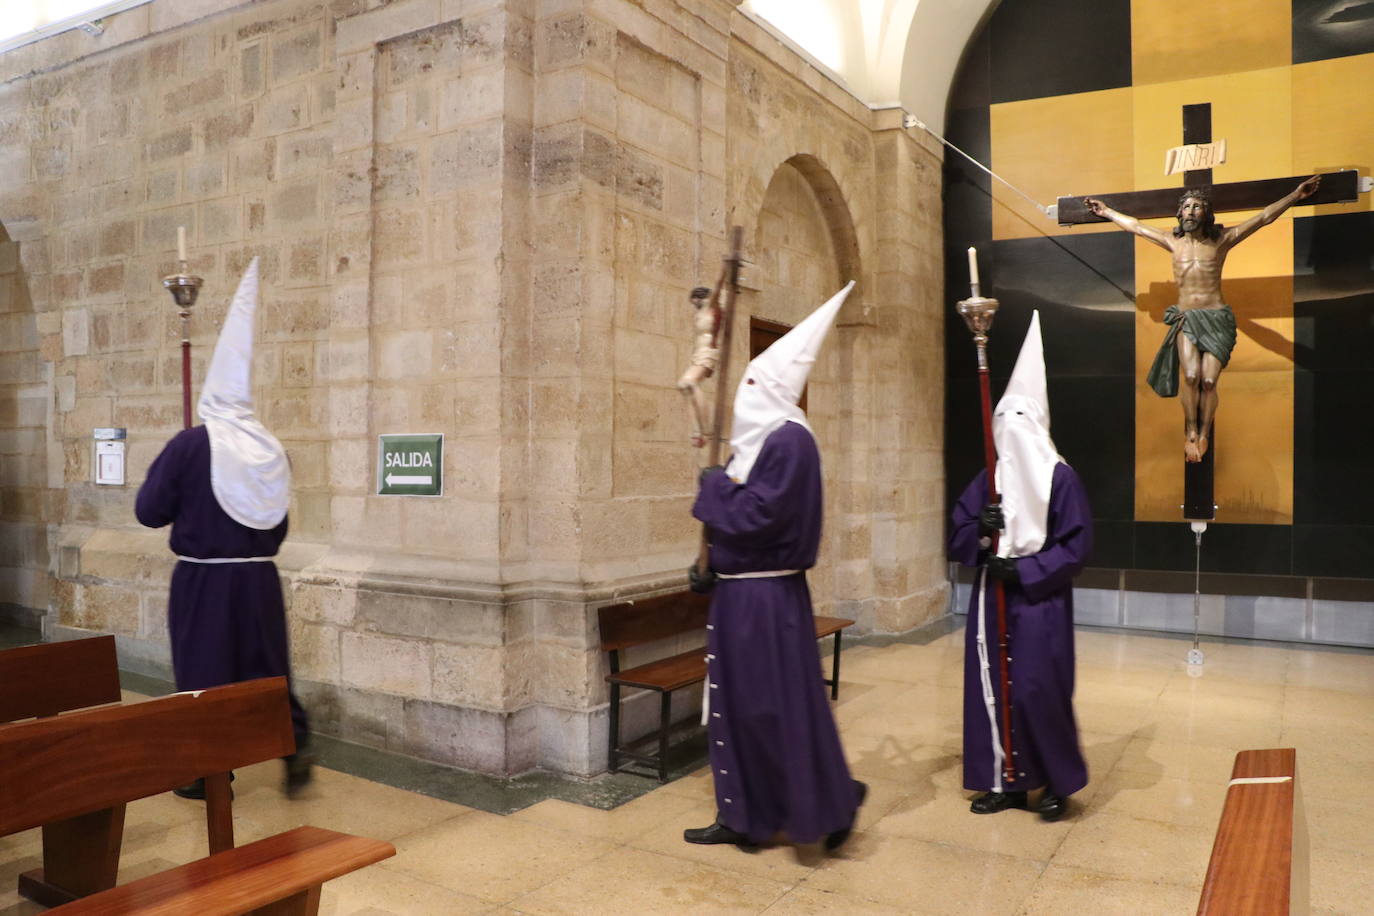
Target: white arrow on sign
{"points": [[393, 480]]}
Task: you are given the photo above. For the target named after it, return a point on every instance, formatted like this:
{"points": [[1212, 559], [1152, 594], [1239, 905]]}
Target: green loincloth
{"points": [[1212, 330]]}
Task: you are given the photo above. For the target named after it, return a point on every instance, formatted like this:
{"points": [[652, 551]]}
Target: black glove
{"points": [[990, 520], [701, 583], [1003, 568], [701, 478]]}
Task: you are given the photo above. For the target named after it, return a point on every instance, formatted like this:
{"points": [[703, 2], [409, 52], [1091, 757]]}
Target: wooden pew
{"points": [[1259, 857], [75, 773], [634, 623], [44, 680]]}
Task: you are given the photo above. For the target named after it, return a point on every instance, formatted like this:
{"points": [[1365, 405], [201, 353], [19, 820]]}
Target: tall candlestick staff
{"points": [[978, 313]]}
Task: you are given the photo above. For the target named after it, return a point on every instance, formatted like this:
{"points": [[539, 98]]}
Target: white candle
{"points": [[181, 243], [973, 269]]}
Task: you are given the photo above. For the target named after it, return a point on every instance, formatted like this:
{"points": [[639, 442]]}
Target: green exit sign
{"points": [[410, 464]]}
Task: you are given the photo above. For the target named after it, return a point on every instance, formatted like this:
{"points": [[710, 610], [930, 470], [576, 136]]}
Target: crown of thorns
{"points": [[1197, 194]]}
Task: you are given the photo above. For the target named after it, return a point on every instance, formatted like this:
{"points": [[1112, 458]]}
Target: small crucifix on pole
{"points": [[1202, 328]]}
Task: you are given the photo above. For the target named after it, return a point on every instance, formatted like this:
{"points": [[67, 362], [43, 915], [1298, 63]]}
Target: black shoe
{"points": [[834, 841], [1052, 807], [992, 802], [196, 790], [715, 834], [300, 769]]}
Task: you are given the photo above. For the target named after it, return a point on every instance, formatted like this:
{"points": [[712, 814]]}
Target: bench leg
{"points": [[80, 858], [613, 739], [219, 818], [306, 903], [664, 720], [835, 669]]}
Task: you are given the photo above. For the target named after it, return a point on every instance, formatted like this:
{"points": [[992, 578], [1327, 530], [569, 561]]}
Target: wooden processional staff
{"points": [[978, 313], [715, 326]]}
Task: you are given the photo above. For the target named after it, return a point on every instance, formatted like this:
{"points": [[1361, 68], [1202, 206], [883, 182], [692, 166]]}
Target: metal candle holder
{"points": [[184, 289], [978, 312]]}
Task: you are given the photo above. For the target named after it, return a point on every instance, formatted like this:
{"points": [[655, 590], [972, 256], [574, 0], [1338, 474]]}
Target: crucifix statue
{"points": [[1201, 314], [1202, 328]]}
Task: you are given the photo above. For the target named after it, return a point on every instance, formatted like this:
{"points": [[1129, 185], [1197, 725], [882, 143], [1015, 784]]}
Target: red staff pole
{"points": [[978, 313], [185, 372]]}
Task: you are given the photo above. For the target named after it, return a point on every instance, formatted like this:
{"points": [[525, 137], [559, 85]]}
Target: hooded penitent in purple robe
{"points": [[775, 752], [227, 621], [224, 488], [1040, 636]]}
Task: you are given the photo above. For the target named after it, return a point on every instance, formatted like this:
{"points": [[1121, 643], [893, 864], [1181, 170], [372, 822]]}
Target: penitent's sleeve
{"points": [[963, 537], [780, 482], [1071, 528], [160, 496]]}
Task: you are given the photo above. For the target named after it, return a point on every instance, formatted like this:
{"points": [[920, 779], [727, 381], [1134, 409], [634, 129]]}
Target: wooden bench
{"points": [[1259, 858], [634, 623], [47, 679], [74, 775]]}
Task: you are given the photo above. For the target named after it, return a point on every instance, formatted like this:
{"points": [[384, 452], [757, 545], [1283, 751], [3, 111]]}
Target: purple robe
{"points": [[227, 621], [775, 752], [1040, 640]]}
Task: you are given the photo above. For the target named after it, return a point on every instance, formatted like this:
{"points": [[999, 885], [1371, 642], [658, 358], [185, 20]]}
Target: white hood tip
{"points": [[249, 471], [773, 383], [1026, 455]]}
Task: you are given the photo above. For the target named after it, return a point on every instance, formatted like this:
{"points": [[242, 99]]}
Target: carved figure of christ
{"points": [[1202, 327]]}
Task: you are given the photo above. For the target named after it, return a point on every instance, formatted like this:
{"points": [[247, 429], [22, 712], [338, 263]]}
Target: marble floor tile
{"points": [[338, 801], [782, 864], [1341, 882], [491, 857], [1351, 671], [1136, 849], [1323, 709], [909, 665], [1108, 718], [1180, 760], [378, 891], [1161, 798], [618, 825], [1327, 768], [696, 785], [1211, 685], [946, 819], [661, 884], [927, 713], [807, 901], [902, 759], [1066, 890], [923, 877]]}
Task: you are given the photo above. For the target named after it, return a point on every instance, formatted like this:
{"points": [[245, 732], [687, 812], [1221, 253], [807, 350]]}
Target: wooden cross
{"points": [[1335, 187]]}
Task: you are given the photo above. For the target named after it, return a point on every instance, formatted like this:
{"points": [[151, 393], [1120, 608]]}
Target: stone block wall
{"points": [[479, 218]]}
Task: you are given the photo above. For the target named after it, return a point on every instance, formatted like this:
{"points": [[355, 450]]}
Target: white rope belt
{"points": [[216, 560], [766, 574]]}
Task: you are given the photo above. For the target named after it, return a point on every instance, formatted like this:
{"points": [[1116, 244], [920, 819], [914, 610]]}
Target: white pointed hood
{"points": [[249, 472], [772, 384], [1026, 455]]}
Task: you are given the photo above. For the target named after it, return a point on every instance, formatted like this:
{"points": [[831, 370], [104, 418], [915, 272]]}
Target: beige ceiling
{"points": [[888, 52]]}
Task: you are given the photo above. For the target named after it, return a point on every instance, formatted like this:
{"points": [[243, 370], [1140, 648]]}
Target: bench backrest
{"points": [[55, 677], [58, 768], [634, 623], [1254, 856]]}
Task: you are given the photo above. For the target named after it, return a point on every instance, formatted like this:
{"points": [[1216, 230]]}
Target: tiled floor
{"points": [[1159, 742]]}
